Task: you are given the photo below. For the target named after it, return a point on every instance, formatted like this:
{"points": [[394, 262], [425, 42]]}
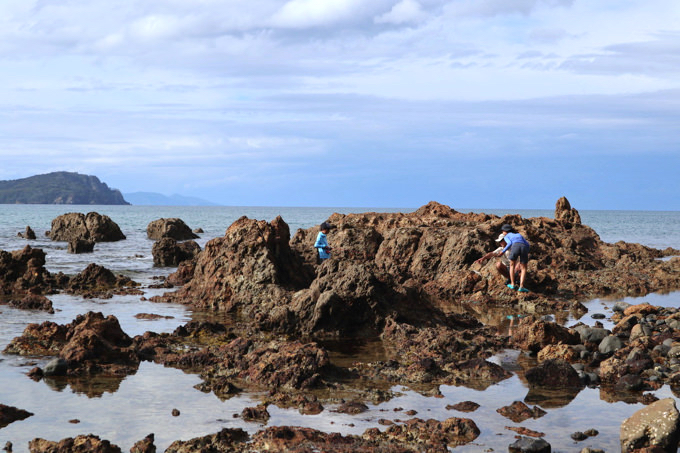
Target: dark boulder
{"points": [[32, 302], [27, 234], [554, 373], [91, 226], [172, 228], [78, 245], [96, 280], [167, 252]]}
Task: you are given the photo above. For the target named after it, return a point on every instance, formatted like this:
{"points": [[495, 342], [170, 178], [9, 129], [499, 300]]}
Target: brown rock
{"points": [[519, 412], [144, 446], [227, 440], [554, 373], [532, 335], [93, 226], [33, 302], [79, 444], [565, 213], [172, 228], [167, 252], [656, 425]]}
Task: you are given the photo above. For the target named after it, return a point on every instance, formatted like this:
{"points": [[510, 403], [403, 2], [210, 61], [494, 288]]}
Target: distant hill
{"points": [[157, 199], [59, 188]]}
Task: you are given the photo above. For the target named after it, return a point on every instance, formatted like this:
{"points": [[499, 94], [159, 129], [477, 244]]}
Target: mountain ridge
{"points": [[59, 187]]}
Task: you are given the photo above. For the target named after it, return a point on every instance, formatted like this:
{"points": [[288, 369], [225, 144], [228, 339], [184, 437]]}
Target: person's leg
{"points": [[522, 273], [503, 270], [513, 263]]}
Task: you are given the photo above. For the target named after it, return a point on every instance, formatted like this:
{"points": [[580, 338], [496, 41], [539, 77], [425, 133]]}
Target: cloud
{"points": [[406, 11]]}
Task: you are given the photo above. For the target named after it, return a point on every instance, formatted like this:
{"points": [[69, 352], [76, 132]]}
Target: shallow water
{"points": [[125, 411]]}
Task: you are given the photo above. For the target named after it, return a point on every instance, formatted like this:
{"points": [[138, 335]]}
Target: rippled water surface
{"points": [[126, 410]]}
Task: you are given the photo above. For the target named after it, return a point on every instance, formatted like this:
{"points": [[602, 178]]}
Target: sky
{"points": [[361, 103]]}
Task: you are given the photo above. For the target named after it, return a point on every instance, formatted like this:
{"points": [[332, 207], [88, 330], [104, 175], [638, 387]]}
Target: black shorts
{"points": [[521, 250]]}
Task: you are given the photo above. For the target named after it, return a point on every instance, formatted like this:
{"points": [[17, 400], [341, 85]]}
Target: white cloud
{"points": [[316, 13], [404, 12]]}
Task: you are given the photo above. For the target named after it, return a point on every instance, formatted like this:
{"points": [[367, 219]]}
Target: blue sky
{"points": [[381, 103]]}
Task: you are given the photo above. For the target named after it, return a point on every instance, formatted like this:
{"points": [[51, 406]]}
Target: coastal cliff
{"points": [[59, 188]]}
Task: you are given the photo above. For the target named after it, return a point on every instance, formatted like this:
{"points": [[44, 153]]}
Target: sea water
{"points": [[126, 410]]}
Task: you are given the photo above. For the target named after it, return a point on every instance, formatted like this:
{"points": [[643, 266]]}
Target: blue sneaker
{"points": [[523, 290], [511, 286]]}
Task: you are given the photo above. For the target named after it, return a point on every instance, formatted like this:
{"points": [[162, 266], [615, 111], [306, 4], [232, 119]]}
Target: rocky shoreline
{"points": [[408, 281]]}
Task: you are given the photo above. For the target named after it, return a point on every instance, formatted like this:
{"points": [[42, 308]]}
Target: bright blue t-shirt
{"points": [[512, 238], [321, 244]]}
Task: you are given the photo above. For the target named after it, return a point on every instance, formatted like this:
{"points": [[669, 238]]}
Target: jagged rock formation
{"points": [[409, 267], [59, 188]]}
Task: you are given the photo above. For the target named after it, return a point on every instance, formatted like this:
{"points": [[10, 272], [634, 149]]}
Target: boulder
{"points": [[529, 445], [28, 234], [32, 302], [533, 335], [91, 226], [167, 252], [23, 272], [656, 425], [91, 344], [79, 245], [96, 280], [553, 373], [172, 228]]}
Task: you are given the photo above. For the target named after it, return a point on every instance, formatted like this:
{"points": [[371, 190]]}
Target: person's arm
{"points": [[486, 257]]}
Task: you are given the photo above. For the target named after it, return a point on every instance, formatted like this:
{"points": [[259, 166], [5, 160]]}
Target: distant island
{"points": [[59, 188], [157, 199]]}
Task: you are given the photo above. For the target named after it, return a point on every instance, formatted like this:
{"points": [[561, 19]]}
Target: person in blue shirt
{"points": [[321, 243], [519, 250]]}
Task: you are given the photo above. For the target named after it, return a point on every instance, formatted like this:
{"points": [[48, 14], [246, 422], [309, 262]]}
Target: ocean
{"points": [[124, 411]]}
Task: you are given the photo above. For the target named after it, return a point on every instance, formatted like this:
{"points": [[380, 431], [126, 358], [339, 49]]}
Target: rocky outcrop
{"points": [[91, 227], [32, 302], [23, 272], [413, 265], [251, 268], [565, 213], [655, 426], [167, 252], [172, 228], [91, 344], [80, 444], [27, 234], [98, 281]]}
